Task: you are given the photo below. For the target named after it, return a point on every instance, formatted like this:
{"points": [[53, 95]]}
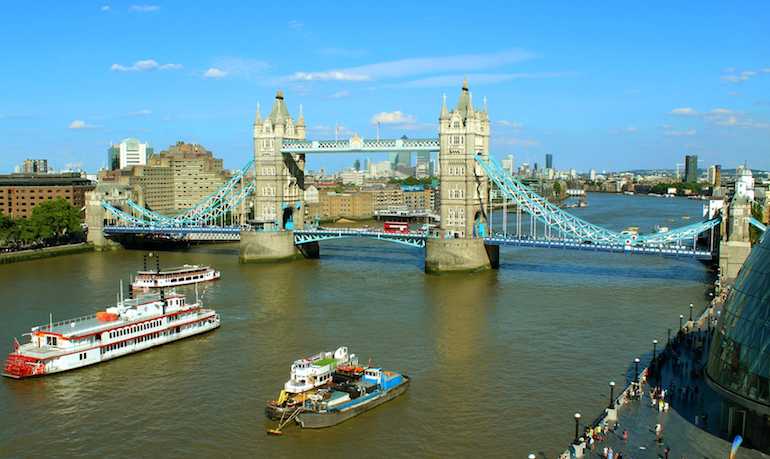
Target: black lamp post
{"points": [[654, 348], [612, 394], [577, 421], [681, 317], [690, 312], [636, 369], [668, 343]]}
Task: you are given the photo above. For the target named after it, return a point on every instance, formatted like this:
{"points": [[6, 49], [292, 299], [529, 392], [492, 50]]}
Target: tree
{"points": [[54, 219]]}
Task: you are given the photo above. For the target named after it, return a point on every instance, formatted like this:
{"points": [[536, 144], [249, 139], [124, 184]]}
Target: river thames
{"points": [[500, 360]]}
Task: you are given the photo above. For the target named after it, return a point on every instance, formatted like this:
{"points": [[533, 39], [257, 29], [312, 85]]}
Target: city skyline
{"points": [[619, 87]]}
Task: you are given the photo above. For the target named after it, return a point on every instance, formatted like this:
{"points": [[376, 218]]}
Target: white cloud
{"points": [[106, 8], [396, 117], [145, 66], [340, 94], [214, 73], [135, 114], [510, 123], [171, 67], [765, 70], [692, 132], [622, 129], [167, 118], [748, 74], [81, 125], [144, 8], [731, 70], [736, 94], [296, 23], [327, 76], [741, 77], [420, 65], [478, 78], [684, 112], [236, 67], [666, 126]]}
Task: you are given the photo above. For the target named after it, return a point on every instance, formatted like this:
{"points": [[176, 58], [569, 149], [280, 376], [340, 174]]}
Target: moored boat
{"points": [[318, 371], [351, 399], [173, 277], [133, 325]]}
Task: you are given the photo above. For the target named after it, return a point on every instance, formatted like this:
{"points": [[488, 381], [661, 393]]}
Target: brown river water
{"points": [[500, 360]]}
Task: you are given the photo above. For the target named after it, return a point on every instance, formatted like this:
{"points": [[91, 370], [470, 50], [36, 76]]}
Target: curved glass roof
{"points": [[739, 360]]}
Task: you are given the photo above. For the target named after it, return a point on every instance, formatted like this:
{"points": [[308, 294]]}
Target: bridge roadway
{"points": [[413, 238]]}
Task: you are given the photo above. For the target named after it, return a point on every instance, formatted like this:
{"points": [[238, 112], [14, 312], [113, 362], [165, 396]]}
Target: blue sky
{"points": [[636, 85]]}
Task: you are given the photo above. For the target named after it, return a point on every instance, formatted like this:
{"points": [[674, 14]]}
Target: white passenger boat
{"points": [[174, 277], [317, 370], [132, 325]]}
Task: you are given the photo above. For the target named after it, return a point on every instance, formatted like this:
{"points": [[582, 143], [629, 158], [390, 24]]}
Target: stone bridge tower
{"points": [[279, 195], [463, 133]]}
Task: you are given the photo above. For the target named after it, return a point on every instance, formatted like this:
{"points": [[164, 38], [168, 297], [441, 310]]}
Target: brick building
{"points": [[20, 193]]}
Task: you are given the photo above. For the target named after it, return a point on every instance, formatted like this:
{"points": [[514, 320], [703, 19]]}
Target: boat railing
{"points": [[47, 327]]}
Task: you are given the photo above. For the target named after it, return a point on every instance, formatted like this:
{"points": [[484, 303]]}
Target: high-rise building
{"points": [[715, 175], [423, 157], [357, 164], [548, 161], [508, 164], [30, 166], [129, 152], [690, 168], [367, 163]]}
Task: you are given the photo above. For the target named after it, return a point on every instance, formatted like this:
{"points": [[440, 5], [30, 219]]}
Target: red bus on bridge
{"points": [[396, 227]]}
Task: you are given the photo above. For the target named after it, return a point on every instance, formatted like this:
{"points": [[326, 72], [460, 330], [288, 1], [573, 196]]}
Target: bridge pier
{"points": [[460, 255], [272, 246]]}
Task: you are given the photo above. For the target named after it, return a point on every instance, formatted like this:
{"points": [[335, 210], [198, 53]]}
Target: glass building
{"points": [[739, 358]]}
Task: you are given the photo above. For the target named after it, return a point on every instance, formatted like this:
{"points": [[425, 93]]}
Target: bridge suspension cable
{"points": [[211, 208], [567, 223]]}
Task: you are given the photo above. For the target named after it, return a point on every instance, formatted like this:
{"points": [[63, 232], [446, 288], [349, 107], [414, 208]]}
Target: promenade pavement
{"points": [[679, 432]]}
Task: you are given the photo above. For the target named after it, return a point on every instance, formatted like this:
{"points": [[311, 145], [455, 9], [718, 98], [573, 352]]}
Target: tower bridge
{"points": [[463, 242]]}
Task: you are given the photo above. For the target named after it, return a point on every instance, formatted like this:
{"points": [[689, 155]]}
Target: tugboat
{"points": [[351, 399], [320, 370], [132, 325], [334, 403]]}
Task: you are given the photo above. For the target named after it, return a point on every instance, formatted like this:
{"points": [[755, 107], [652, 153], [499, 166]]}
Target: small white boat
{"points": [[315, 371], [174, 277]]}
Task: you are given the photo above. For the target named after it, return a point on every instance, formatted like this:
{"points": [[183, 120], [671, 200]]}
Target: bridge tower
{"points": [[279, 194], [464, 191]]}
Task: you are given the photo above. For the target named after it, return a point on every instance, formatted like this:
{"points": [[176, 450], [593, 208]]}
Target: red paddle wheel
{"points": [[19, 366]]}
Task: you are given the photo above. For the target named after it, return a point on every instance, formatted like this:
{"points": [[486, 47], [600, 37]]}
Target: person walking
{"points": [[625, 434], [658, 428]]}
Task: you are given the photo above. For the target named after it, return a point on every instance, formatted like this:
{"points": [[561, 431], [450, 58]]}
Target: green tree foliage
{"points": [[54, 219], [557, 188], [410, 181]]}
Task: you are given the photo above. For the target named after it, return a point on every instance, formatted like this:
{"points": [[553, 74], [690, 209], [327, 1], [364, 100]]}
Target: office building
{"points": [[129, 152], [20, 193], [549, 161], [691, 168], [33, 166]]}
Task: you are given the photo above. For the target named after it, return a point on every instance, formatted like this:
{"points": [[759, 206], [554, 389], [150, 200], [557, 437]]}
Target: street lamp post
{"points": [[668, 343], [690, 312], [681, 317], [577, 426], [612, 394], [636, 369], [654, 348]]}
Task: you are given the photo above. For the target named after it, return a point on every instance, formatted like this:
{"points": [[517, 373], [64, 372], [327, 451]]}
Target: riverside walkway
{"points": [[679, 431]]}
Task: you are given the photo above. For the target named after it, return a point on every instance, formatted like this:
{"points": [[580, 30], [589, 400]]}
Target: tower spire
{"points": [[300, 119], [258, 118], [444, 112]]}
